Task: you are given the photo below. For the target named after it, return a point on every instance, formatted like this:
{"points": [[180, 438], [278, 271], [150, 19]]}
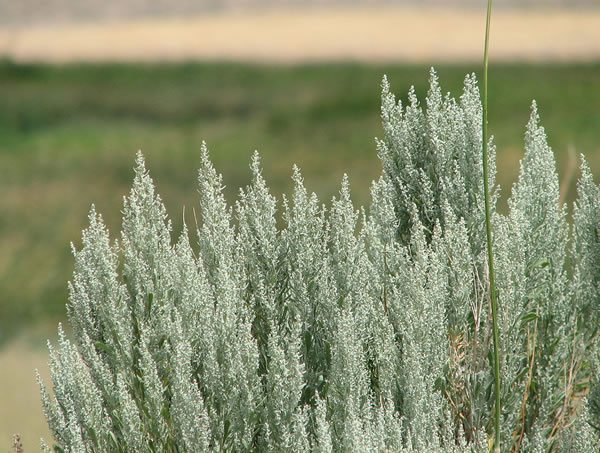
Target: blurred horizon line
{"points": [[318, 34], [36, 12]]}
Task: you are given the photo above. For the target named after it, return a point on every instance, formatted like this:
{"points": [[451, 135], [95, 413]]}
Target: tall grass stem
{"points": [[488, 226]]}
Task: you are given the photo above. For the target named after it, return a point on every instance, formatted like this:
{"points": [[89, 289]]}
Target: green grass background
{"points": [[68, 137]]}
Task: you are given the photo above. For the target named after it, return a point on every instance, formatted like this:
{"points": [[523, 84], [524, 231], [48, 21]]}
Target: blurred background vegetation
{"points": [[69, 134]]}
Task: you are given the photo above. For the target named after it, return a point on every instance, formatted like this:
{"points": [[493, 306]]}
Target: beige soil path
{"points": [[21, 408], [383, 34]]}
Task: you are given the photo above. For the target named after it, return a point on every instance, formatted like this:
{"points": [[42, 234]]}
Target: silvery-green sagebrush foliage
{"points": [[345, 330]]}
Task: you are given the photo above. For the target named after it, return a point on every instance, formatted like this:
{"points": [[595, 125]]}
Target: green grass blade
{"points": [[488, 225]]}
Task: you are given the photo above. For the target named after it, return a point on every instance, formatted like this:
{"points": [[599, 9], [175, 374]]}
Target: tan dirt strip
{"points": [[364, 34], [21, 409]]}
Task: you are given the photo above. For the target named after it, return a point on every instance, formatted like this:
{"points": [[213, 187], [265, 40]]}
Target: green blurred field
{"points": [[68, 136]]}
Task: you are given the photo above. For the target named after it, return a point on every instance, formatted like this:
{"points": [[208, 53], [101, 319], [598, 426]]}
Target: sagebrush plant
{"points": [[345, 329]]}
